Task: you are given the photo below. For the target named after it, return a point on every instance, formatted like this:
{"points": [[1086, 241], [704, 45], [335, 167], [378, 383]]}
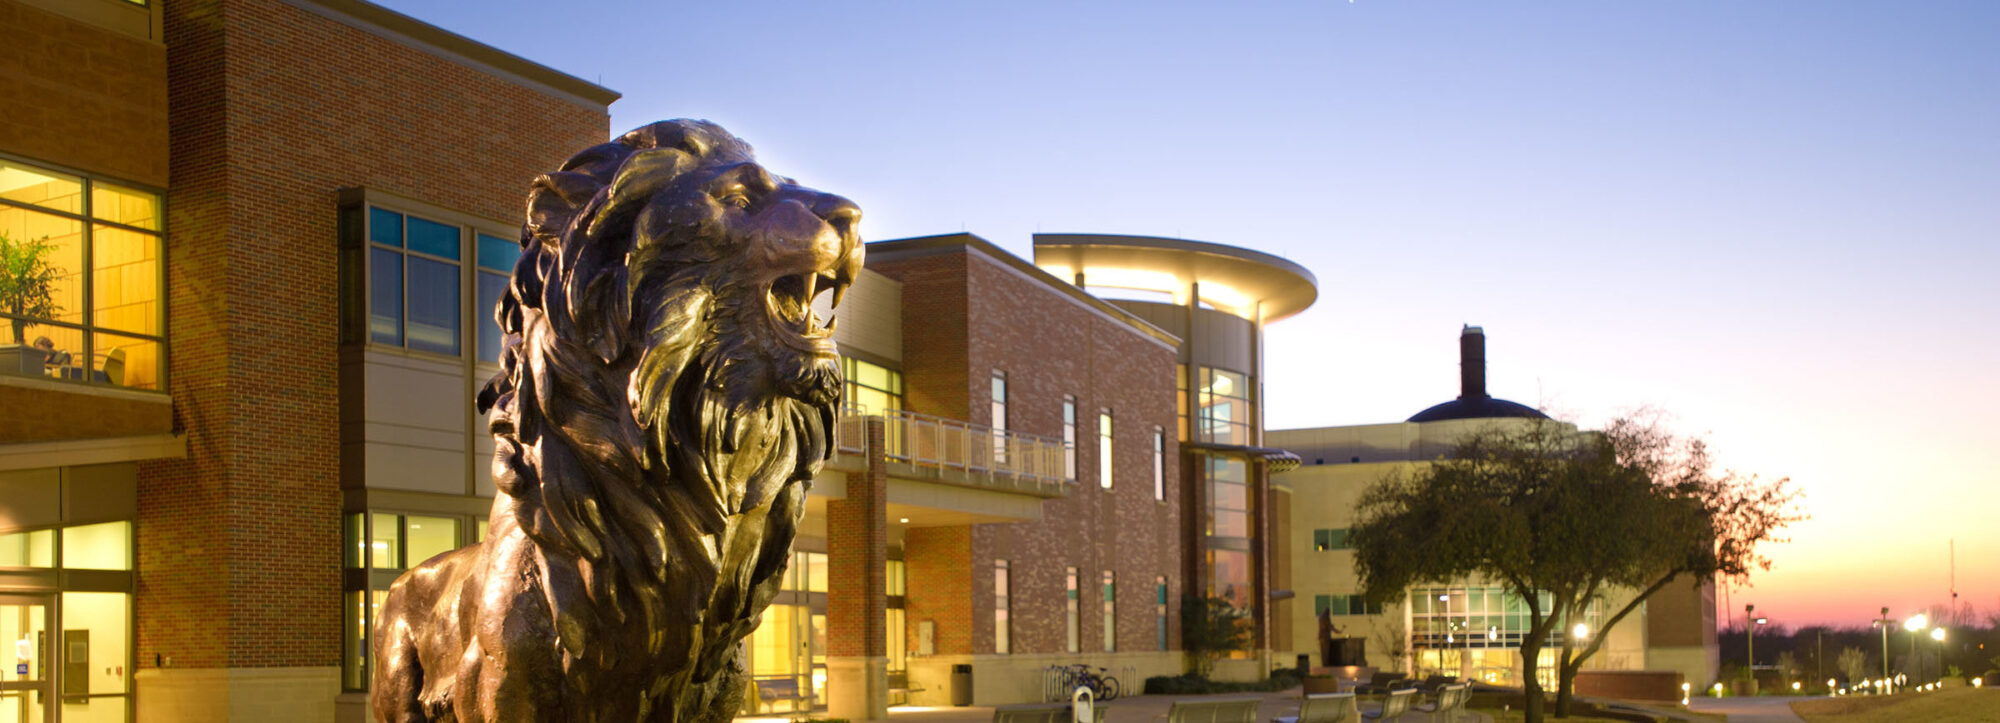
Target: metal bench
{"points": [[899, 684], [781, 689], [1450, 704], [1041, 713], [1324, 708], [1394, 705], [1214, 710]]}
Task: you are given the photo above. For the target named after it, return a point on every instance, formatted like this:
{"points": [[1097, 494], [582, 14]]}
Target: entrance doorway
{"points": [[25, 683]]}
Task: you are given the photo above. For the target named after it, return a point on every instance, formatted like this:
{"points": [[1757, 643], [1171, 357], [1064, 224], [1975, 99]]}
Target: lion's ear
{"points": [[643, 175], [554, 198]]}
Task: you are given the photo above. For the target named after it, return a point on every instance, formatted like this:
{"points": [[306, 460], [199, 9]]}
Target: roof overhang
{"points": [[1250, 284]]}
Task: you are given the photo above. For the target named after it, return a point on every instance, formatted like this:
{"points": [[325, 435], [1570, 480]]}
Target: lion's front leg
{"points": [[716, 701]]}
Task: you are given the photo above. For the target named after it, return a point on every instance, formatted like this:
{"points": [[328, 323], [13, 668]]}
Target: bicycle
{"points": [[1103, 686]]}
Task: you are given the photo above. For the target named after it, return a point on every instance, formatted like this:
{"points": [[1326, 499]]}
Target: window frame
{"points": [[87, 222], [356, 243]]}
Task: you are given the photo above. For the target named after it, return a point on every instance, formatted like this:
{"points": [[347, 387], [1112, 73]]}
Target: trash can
{"points": [[961, 684]]}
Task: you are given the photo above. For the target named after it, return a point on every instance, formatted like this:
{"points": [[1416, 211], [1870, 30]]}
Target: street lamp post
{"points": [[1884, 622], [1937, 634], [1750, 638], [1915, 623]]}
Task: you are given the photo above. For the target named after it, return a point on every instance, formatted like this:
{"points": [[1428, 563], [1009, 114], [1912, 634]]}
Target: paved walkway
{"points": [[1134, 709], [1750, 710]]}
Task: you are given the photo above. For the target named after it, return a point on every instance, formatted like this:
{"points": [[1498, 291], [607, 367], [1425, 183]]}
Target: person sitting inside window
{"points": [[53, 359]]}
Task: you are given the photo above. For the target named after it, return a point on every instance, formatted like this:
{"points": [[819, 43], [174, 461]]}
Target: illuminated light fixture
{"points": [[1916, 622], [1449, 638], [1444, 598], [1581, 630], [1493, 633], [1937, 634], [1718, 690], [1976, 682], [1842, 691], [1795, 686], [904, 520], [1830, 683]]}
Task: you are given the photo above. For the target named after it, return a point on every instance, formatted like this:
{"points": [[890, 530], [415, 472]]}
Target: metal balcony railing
{"points": [[996, 458]]}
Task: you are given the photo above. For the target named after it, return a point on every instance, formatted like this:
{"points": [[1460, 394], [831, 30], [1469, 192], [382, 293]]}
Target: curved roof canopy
{"points": [[1240, 281]]}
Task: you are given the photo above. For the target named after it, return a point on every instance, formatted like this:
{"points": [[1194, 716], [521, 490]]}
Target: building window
{"points": [[496, 258], [1224, 403], [413, 267], [81, 273], [1160, 612], [1228, 497], [1159, 464], [1477, 617], [1181, 402], [93, 610], [1071, 612], [1324, 540], [1069, 437], [999, 417], [1344, 605], [380, 546], [1110, 612], [1104, 448], [1002, 636], [871, 389]]}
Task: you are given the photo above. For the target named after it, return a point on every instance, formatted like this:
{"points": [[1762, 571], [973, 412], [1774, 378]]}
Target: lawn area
{"points": [[1951, 705]]}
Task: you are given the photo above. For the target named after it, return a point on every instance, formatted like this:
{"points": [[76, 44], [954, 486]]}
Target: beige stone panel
{"points": [[414, 392], [175, 695], [403, 467]]}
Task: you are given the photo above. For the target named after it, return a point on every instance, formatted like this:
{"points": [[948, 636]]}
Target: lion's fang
{"points": [[838, 291]]}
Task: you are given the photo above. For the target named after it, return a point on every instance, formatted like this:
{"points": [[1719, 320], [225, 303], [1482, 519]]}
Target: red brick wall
{"points": [[857, 546], [938, 561], [1049, 346], [273, 110], [82, 96]]}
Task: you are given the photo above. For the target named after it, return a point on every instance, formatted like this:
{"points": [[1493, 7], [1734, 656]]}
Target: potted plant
{"points": [[27, 289]]}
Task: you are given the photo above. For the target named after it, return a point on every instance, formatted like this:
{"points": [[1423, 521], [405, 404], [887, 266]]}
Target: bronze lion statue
{"points": [[666, 395]]}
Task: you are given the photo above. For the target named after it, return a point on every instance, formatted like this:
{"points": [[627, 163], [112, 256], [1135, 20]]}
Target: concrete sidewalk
{"points": [[1133, 709]]}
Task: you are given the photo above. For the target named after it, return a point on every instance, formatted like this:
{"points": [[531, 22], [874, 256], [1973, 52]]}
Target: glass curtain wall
{"points": [[86, 655], [380, 546], [80, 296], [1481, 629]]}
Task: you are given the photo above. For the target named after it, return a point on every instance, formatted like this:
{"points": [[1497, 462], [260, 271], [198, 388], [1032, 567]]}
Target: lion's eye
{"points": [[737, 199]]}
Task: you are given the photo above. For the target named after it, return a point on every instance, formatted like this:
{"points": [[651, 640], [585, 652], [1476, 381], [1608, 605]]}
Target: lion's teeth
{"points": [[838, 291], [812, 286], [830, 323]]}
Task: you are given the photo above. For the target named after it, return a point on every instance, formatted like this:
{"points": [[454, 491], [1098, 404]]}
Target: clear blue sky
{"points": [[1779, 221]]}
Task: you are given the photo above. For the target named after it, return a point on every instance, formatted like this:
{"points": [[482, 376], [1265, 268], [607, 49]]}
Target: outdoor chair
{"points": [[1394, 705], [1381, 683], [1043, 713], [1324, 708], [1450, 704]]}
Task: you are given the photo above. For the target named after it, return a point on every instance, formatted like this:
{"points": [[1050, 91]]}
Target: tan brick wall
{"points": [[273, 110], [1049, 346], [82, 96], [938, 561]]}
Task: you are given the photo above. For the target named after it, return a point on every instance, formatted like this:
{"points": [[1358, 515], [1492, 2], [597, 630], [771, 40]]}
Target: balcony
{"points": [[934, 449]]}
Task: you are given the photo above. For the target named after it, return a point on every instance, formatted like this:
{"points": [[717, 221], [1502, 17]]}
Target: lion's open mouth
{"points": [[789, 304]]}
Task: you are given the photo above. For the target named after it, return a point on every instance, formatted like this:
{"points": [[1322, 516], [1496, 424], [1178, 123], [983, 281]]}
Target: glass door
{"points": [[25, 692]]}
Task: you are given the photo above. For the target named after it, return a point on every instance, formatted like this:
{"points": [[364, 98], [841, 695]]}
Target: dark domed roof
{"points": [[1481, 408], [1473, 402]]}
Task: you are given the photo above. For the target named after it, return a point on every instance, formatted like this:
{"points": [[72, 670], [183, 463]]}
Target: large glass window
{"points": [[1228, 497], [1324, 540], [413, 281], [1224, 407], [871, 389], [379, 547], [80, 279], [1481, 617], [496, 265], [1229, 576], [1159, 464]]}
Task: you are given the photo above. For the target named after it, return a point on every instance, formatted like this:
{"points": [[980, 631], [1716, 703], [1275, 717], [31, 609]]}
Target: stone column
{"points": [[857, 530]]}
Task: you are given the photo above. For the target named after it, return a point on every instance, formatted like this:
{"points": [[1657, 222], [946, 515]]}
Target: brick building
{"points": [[269, 235]]}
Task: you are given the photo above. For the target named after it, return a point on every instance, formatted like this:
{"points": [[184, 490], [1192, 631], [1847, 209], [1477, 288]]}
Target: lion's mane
{"points": [[636, 428]]}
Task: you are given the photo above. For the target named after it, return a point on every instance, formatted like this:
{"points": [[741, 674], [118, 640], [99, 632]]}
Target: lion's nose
{"points": [[841, 214]]}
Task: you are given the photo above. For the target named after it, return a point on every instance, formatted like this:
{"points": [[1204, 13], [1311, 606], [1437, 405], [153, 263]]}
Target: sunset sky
{"points": [[1777, 221]]}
